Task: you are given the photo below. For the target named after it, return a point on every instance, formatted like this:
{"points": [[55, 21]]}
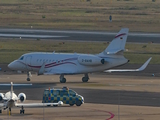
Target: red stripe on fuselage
{"points": [[52, 65]]}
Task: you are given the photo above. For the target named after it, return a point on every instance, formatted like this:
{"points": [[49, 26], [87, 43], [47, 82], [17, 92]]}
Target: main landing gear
{"points": [[28, 76], [62, 79], [22, 110], [85, 78]]}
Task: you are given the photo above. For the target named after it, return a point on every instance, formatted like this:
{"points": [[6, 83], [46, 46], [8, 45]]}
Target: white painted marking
{"points": [[30, 36]]}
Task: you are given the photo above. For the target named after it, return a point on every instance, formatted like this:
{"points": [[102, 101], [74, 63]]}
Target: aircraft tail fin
{"points": [[12, 85], [11, 90], [118, 43]]}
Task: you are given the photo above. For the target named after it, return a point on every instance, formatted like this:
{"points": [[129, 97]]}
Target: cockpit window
{"points": [[21, 58]]}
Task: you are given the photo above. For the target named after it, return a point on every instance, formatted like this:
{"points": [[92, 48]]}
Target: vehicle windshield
{"points": [[72, 92], [46, 92], [21, 58]]}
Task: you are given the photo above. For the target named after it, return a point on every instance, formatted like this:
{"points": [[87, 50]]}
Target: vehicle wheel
{"points": [[71, 104], [20, 111], [78, 103], [55, 102], [63, 80], [85, 79], [28, 79], [0, 111]]}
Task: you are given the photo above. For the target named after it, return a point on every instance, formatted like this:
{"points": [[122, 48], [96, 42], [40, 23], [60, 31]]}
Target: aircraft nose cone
{"points": [[16, 65], [11, 65]]}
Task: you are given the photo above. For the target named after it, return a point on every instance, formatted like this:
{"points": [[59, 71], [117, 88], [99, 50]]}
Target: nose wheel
{"points": [[22, 111], [28, 79], [28, 76]]}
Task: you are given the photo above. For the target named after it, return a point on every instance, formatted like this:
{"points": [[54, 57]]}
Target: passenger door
{"points": [[28, 63]]}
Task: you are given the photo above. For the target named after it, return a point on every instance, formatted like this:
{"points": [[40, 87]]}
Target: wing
{"points": [[131, 70], [2, 105], [37, 104]]}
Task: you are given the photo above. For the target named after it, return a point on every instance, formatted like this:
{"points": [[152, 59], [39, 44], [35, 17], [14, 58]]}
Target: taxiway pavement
{"points": [[106, 97]]}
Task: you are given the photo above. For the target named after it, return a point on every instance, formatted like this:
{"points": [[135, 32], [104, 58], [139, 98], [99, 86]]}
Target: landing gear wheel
{"points": [[71, 104], [78, 103], [55, 102], [28, 79], [63, 80], [0, 111], [22, 111], [85, 79]]}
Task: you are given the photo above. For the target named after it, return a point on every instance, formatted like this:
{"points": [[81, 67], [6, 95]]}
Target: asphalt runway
{"points": [[76, 35]]}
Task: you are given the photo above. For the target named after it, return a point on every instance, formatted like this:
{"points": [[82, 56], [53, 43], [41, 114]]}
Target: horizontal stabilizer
{"points": [[131, 70]]}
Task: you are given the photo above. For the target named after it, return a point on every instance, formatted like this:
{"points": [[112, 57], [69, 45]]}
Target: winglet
{"points": [[144, 65]]}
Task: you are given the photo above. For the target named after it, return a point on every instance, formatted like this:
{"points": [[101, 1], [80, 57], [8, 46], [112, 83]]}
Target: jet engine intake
{"points": [[90, 60], [22, 97], [1, 96]]}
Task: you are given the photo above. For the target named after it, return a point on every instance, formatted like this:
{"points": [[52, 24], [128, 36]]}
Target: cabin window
{"points": [[55, 92], [63, 92]]}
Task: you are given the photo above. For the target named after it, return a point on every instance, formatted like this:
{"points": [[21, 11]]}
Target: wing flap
{"points": [[58, 71], [131, 70]]}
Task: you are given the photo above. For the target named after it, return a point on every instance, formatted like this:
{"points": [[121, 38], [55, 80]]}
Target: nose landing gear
{"points": [[28, 76], [22, 111]]}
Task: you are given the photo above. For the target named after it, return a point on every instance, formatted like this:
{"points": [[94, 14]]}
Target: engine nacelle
{"points": [[22, 97], [1, 96], [90, 60]]}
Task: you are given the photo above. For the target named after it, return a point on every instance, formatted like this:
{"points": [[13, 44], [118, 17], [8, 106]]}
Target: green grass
{"points": [[138, 15], [13, 49]]}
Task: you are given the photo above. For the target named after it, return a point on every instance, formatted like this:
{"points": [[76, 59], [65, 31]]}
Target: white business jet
{"points": [[73, 63], [10, 99]]}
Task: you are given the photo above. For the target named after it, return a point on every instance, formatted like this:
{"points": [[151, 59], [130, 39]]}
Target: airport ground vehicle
{"points": [[66, 95]]}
